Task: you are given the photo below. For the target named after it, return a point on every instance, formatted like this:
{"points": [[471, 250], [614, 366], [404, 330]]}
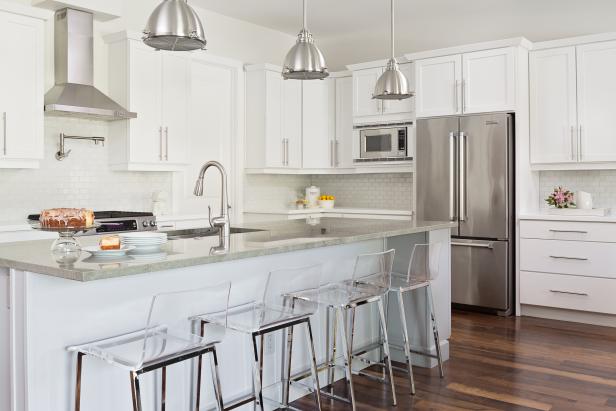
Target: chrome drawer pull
{"points": [[560, 257], [568, 231], [489, 245], [569, 292]]}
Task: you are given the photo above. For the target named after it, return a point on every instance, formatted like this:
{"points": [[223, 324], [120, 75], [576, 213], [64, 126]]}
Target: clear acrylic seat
{"points": [[424, 268], [167, 337], [275, 308], [370, 282]]}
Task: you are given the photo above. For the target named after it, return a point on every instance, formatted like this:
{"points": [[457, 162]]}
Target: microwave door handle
{"points": [[452, 176]]}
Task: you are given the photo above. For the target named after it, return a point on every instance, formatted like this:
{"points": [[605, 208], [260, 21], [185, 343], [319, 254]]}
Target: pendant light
{"points": [[175, 26], [393, 84], [304, 61]]}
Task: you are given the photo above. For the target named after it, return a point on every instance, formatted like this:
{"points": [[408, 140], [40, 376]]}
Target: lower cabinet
{"points": [[569, 265]]}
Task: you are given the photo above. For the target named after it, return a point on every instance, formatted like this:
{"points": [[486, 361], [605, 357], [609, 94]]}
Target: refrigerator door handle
{"points": [[462, 176], [489, 244], [452, 176]]}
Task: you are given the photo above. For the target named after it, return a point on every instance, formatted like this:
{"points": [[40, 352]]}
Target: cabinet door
{"points": [[146, 131], [406, 105], [596, 103], [489, 81], [316, 139], [553, 117], [363, 89], [437, 83], [344, 122], [21, 82], [292, 122], [175, 87]]}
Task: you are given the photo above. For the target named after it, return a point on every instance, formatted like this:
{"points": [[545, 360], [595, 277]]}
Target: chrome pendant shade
{"points": [[393, 84], [304, 61], [175, 26]]}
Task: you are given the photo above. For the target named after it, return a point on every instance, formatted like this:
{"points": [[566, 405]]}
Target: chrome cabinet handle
{"points": [[336, 153], [489, 245], [573, 143], [568, 292], [455, 96], [580, 144], [561, 257], [462, 176], [331, 153], [160, 143], [287, 145], [463, 96], [4, 149], [167, 143], [452, 176], [552, 230]]}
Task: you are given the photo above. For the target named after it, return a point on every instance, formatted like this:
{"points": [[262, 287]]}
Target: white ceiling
{"points": [[352, 31]]}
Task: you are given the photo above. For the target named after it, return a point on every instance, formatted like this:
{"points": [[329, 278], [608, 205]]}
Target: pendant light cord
{"points": [[392, 30], [305, 19]]}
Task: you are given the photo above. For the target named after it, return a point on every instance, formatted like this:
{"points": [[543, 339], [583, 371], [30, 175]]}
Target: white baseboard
{"points": [[569, 315]]}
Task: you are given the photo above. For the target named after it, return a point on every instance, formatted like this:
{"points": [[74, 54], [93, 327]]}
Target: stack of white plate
{"points": [[144, 242]]}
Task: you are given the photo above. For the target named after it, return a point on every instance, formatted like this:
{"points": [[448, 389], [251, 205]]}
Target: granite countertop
{"points": [[276, 237]]}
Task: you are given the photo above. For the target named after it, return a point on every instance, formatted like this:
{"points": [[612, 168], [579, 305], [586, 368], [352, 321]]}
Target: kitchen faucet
{"points": [[221, 222]]}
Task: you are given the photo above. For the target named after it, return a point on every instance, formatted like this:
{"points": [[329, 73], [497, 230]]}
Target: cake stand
{"points": [[66, 248]]}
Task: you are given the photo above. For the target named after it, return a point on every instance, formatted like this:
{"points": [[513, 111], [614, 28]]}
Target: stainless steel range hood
{"points": [[74, 94]]}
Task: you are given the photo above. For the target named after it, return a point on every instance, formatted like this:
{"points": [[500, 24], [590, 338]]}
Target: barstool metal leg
{"points": [[347, 346], [78, 382], [216, 380], [258, 371], [136, 391], [437, 341], [163, 396], [387, 359], [199, 365], [407, 343], [287, 375], [334, 335], [313, 363]]}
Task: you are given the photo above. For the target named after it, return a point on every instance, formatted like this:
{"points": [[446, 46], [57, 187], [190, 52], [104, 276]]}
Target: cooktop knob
{"points": [[152, 223], [145, 223]]}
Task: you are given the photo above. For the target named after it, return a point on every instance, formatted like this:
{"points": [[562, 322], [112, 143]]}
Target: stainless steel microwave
{"points": [[383, 143]]}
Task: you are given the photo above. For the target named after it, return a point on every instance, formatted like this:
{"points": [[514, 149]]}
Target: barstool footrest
{"points": [[422, 353], [323, 392], [239, 402]]}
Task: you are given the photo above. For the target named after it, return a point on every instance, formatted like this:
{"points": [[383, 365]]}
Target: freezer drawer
{"points": [[480, 274]]}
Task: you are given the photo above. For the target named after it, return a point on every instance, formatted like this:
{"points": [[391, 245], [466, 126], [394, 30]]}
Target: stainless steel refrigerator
{"points": [[465, 173]]}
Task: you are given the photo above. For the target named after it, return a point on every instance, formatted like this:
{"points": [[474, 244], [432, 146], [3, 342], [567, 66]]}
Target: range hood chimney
{"points": [[74, 94]]}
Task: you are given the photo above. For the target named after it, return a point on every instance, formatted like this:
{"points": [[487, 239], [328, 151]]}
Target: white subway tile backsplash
{"points": [[84, 179], [600, 183]]}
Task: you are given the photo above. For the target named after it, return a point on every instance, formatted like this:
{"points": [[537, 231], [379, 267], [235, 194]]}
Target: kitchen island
{"points": [[47, 306]]}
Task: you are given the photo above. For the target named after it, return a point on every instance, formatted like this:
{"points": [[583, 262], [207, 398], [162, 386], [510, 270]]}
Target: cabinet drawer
{"points": [[570, 292], [590, 259], [568, 230]]}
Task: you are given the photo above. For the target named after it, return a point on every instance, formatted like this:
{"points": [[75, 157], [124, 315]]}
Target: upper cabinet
{"points": [[468, 83], [318, 124], [343, 142], [369, 110], [572, 105], [155, 85], [22, 85]]}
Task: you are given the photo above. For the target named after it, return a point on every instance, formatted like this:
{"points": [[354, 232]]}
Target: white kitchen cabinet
{"points": [[476, 82], [273, 119], [488, 81], [438, 86], [553, 122], [368, 109], [155, 85], [596, 64], [22, 85], [343, 144], [364, 82], [317, 132]]}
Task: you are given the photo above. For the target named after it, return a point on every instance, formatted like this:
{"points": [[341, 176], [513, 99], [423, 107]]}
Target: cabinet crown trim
{"points": [[469, 48]]}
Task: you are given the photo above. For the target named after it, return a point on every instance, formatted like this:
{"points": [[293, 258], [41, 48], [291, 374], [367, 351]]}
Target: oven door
{"points": [[378, 143]]}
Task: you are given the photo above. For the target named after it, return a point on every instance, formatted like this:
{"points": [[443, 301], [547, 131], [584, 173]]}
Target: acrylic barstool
{"points": [[167, 339], [370, 283], [423, 269], [277, 309]]}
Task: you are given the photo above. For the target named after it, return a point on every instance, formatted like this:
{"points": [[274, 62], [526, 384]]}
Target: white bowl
{"points": [[326, 203]]}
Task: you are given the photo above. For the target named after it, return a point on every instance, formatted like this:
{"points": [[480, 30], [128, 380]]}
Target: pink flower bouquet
{"points": [[560, 198]]}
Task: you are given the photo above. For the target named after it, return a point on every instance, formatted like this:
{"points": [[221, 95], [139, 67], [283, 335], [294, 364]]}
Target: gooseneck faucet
{"points": [[222, 222]]}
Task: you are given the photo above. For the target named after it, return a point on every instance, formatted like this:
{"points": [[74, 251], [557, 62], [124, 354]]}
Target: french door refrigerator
{"points": [[464, 173]]}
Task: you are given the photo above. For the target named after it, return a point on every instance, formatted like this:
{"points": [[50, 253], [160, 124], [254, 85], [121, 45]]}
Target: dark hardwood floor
{"points": [[506, 364]]}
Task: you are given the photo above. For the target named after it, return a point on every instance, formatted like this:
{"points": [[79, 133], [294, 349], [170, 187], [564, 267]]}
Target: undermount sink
{"points": [[204, 232]]}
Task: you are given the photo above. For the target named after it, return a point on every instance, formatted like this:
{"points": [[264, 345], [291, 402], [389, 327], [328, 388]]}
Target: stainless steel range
{"points": [[118, 222]]}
